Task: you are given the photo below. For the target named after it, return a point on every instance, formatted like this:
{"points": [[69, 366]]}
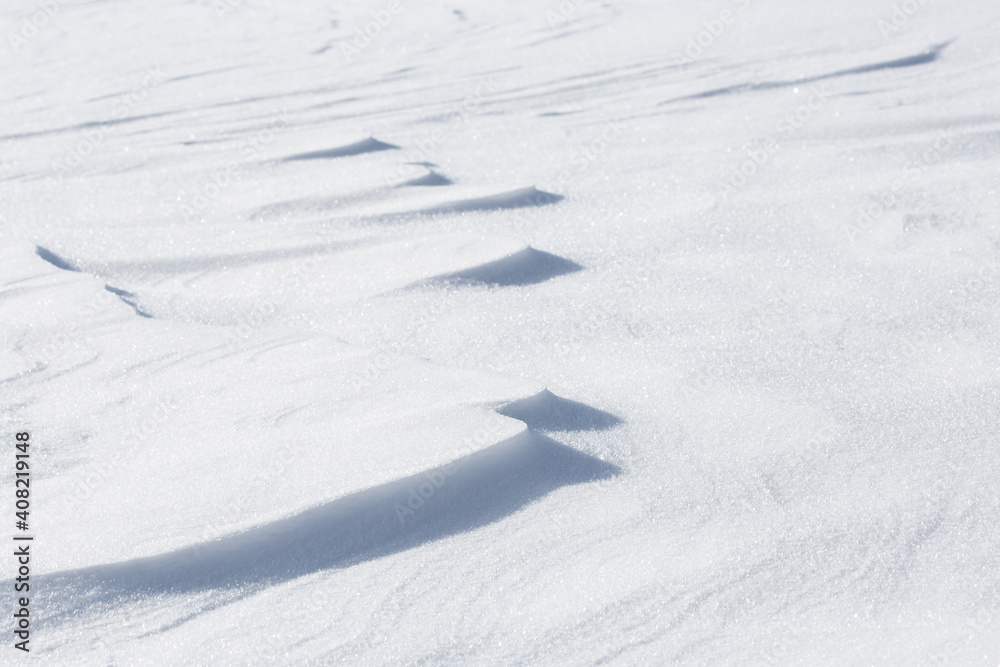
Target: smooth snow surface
{"points": [[504, 333]]}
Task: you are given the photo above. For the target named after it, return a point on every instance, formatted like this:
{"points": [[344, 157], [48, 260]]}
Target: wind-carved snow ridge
{"points": [[547, 412], [325, 203], [55, 260], [431, 178], [468, 493], [525, 267]]}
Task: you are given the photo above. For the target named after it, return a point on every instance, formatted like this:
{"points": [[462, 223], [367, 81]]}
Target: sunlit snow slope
{"points": [[504, 333]]}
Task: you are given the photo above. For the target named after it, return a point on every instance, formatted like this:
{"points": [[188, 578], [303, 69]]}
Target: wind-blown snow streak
{"points": [[127, 298], [926, 56]]}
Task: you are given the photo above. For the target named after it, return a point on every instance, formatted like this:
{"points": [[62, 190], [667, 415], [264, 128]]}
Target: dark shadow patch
{"points": [[431, 179], [369, 145], [521, 198], [55, 260], [547, 412], [129, 299], [525, 267]]}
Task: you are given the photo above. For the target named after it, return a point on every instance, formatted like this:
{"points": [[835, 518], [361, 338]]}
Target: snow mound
{"points": [[547, 412], [525, 267], [432, 178]]}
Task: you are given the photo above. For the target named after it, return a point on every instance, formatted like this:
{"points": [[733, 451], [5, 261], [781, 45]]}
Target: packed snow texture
{"points": [[504, 333]]}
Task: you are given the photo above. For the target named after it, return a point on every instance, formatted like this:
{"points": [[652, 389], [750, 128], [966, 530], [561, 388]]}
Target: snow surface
{"points": [[545, 333]]}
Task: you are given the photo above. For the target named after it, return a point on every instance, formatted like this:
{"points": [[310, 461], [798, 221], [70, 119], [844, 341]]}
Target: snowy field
{"points": [[472, 333]]}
